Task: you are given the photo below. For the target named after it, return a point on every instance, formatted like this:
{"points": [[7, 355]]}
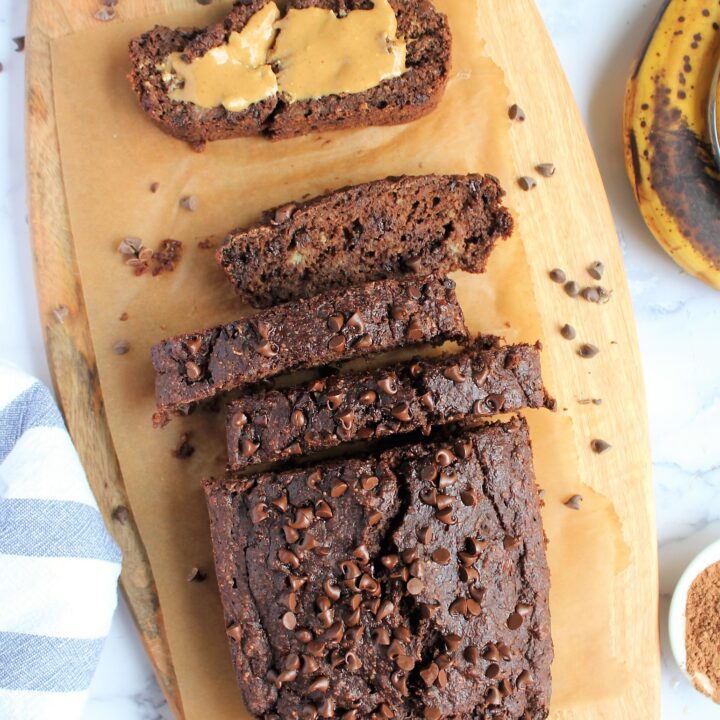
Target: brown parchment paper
{"points": [[110, 156]]}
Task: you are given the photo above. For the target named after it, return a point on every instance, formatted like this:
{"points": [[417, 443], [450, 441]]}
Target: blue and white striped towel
{"points": [[58, 565]]}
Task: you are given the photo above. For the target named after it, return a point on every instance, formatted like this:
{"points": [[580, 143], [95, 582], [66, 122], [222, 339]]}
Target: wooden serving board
{"points": [[571, 224]]}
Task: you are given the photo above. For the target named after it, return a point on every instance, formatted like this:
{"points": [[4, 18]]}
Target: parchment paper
{"points": [[111, 154]]}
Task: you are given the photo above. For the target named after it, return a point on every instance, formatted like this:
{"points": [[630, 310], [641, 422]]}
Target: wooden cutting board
{"points": [[571, 223]]}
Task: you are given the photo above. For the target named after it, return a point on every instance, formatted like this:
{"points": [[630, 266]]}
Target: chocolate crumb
{"points": [[558, 276], [568, 332], [596, 270], [572, 288], [189, 202], [166, 256], [121, 347], [590, 401], [516, 113], [546, 169], [588, 351], [19, 43], [605, 295], [206, 244], [184, 450], [196, 575], [154, 187], [120, 514], [600, 446], [527, 183], [574, 502], [61, 312], [105, 14], [123, 317], [160, 419]]}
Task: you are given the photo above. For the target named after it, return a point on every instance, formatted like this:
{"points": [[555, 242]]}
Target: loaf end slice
{"points": [[362, 586], [395, 101], [377, 230], [184, 120]]}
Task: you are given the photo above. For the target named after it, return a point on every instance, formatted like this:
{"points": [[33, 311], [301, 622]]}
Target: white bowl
{"points": [[676, 621]]}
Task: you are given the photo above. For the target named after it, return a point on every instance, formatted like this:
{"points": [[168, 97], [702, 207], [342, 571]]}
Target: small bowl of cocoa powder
{"points": [[694, 623]]}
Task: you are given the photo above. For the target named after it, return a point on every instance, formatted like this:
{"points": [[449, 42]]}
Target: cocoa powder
{"points": [[702, 632]]}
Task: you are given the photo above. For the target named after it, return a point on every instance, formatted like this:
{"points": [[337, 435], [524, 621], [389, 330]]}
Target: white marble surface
{"points": [[678, 320]]}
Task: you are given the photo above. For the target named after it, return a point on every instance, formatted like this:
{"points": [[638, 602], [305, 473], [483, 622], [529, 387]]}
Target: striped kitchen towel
{"points": [[58, 565]]}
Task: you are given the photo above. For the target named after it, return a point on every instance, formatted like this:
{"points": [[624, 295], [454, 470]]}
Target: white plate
{"points": [[676, 622]]}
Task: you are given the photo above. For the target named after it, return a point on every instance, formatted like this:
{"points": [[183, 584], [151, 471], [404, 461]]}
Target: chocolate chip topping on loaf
{"points": [[394, 101], [484, 380], [325, 329], [411, 585], [381, 229]]}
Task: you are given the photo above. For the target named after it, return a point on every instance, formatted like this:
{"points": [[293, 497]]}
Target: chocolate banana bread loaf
{"points": [[381, 229], [484, 380], [393, 101], [411, 585], [327, 328]]}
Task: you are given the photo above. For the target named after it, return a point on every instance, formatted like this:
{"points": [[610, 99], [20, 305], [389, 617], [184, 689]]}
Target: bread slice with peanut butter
{"points": [[256, 72]]}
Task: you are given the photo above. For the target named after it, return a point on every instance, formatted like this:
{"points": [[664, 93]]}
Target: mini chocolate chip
{"points": [[388, 386], [458, 607], [19, 43], [447, 479], [415, 331], [546, 169], [368, 397], [444, 501], [289, 621], [492, 671], [493, 696], [527, 183], [427, 401], [568, 332], [425, 535], [588, 351], [336, 323], [516, 113], [505, 687], [454, 373], [235, 632], [591, 294], [429, 496], [281, 503], [444, 457], [352, 662], [326, 709], [389, 561], [363, 342], [402, 412], [523, 679], [463, 450], [296, 582], [259, 513], [362, 554], [468, 575], [574, 502], [297, 418], [374, 518], [196, 575], [415, 586], [558, 276], [399, 682], [468, 497], [405, 662], [452, 642], [495, 402], [346, 419], [356, 322], [319, 685], [338, 488], [471, 654], [323, 510], [600, 446], [409, 555], [267, 349], [572, 288], [491, 653], [189, 202], [154, 187], [596, 270], [337, 343], [381, 636], [334, 399], [515, 621], [446, 516]]}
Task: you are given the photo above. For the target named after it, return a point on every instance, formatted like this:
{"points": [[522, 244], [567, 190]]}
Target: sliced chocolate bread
{"points": [[373, 588], [392, 101], [484, 380], [387, 228], [325, 329]]}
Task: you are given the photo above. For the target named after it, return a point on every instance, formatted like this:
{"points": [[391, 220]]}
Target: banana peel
{"points": [[668, 153]]}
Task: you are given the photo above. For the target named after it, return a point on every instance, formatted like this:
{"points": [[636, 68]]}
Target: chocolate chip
{"points": [[588, 351], [429, 472], [338, 488], [574, 502], [363, 342], [427, 401], [568, 332], [288, 557], [369, 483], [558, 276], [546, 169], [491, 653], [259, 513], [454, 373], [352, 662], [297, 418], [267, 349], [381, 636], [572, 288], [463, 450], [596, 270], [494, 402], [234, 632], [425, 535], [388, 386], [515, 621], [249, 448], [356, 322], [389, 561], [154, 187], [600, 446], [326, 709], [402, 412], [444, 457], [291, 534], [452, 642], [458, 607], [405, 662], [447, 479], [336, 323], [415, 331], [415, 586], [516, 113], [527, 183], [468, 497], [337, 343], [189, 202], [323, 510], [281, 503], [493, 696], [19, 43], [196, 575], [523, 679], [410, 555], [591, 294], [444, 501], [121, 347], [492, 671], [368, 397], [346, 419], [429, 496], [289, 622]]}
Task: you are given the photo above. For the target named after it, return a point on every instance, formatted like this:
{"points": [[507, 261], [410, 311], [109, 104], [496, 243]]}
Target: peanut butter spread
{"points": [[315, 52]]}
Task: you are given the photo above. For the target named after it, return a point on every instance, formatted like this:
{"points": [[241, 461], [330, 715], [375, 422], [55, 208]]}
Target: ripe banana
{"points": [[667, 140]]}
